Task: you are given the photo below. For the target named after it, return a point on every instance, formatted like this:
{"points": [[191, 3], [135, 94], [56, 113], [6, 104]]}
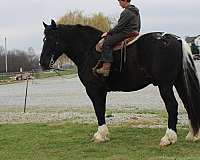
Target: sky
{"points": [[21, 20]]}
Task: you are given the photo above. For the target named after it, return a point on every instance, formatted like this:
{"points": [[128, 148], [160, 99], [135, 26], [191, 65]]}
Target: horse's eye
{"points": [[44, 39]]}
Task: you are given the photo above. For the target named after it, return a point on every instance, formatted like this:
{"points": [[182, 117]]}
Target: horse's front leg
{"points": [[98, 98], [167, 94]]}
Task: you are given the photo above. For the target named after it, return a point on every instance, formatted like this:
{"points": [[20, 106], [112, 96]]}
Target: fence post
{"points": [[26, 95]]}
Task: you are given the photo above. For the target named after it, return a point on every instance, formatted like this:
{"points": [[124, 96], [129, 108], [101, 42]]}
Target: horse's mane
{"points": [[88, 35], [84, 28]]}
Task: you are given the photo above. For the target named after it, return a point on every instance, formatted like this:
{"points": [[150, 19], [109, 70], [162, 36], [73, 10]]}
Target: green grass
{"points": [[71, 141], [4, 79], [53, 73]]}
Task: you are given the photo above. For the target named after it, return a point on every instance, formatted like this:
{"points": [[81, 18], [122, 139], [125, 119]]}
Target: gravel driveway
{"points": [[65, 93]]}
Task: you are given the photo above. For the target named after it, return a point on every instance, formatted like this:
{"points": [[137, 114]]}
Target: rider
{"points": [[128, 22]]}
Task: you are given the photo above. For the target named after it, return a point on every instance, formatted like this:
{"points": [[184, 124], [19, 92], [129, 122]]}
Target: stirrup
{"points": [[94, 69], [103, 72]]}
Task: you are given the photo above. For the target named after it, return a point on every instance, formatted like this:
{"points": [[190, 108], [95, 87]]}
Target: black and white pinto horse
{"points": [[155, 58]]}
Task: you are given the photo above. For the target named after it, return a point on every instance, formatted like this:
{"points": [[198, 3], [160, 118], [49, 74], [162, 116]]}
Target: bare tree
{"points": [[17, 59]]}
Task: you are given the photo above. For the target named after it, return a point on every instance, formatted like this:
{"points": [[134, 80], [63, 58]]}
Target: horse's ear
{"points": [[53, 24], [45, 25]]}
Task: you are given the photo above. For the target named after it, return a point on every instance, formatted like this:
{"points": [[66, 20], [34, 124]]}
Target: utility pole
{"points": [[6, 59]]}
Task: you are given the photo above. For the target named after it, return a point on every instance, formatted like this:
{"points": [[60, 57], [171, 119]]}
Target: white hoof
{"points": [[101, 135], [197, 137], [169, 138], [191, 138]]}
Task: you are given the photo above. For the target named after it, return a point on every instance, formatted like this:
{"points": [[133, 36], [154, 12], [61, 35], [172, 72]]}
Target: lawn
{"points": [[71, 141], [52, 73], [5, 78]]}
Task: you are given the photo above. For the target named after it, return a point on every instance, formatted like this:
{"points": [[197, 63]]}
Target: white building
{"points": [[195, 40]]}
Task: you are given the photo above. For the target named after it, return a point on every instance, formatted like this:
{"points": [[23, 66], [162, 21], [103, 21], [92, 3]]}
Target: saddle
{"points": [[130, 39]]}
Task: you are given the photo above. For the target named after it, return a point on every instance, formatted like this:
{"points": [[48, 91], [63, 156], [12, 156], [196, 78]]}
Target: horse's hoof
{"points": [[169, 138], [97, 138], [164, 142], [196, 138], [102, 135], [191, 138]]}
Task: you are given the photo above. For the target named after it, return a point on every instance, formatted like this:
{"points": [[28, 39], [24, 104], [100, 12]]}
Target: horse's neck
{"points": [[78, 56], [82, 47]]}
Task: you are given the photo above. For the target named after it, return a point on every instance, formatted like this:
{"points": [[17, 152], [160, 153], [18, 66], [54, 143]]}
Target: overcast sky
{"points": [[21, 20]]}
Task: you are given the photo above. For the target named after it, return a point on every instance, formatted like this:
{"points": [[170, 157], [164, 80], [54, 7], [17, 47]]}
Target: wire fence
{"points": [[16, 76], [34, 74], [7, 76]]}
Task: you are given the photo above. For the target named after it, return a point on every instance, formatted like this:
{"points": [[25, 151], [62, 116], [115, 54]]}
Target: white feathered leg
{"points": [[190, 136], [102, 134], [169, 138]]}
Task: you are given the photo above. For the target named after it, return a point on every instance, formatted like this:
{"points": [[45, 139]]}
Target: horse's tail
{"points": [[188, 87]]}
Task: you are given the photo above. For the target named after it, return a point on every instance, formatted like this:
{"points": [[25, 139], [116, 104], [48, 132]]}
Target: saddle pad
{"points": [[119, 46]]}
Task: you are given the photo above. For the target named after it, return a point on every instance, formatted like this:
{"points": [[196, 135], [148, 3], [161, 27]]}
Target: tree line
{"points": [[16, 59], [98, 20]]}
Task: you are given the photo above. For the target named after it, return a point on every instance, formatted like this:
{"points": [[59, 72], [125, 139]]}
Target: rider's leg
{"points": [[107, 57]]}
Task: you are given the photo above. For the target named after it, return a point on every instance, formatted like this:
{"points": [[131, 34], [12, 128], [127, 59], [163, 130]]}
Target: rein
{"points": [[56, 70]]}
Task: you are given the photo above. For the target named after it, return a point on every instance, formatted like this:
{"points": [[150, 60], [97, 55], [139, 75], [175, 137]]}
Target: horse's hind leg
{"points": [[167, 94], [183, 94]]}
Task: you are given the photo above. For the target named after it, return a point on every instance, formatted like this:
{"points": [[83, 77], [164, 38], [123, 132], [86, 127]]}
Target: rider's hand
{"points": [[104, 34]]}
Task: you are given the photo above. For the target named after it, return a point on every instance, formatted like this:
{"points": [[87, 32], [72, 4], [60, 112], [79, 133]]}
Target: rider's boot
{"points": [[104, 70]]}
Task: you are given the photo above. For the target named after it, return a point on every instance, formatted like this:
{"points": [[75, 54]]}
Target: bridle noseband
{"points": [[51, 63]]}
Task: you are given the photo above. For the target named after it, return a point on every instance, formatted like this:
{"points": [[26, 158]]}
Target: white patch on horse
{"points": [[169, 138], [190, 136], [102, 134], [163, 34], [187, 56]]}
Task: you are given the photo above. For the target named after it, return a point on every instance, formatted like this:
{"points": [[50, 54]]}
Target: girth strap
{"points": [[123, 55]]}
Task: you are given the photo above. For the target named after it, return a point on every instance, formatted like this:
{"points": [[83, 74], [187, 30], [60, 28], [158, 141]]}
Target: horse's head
{"points": [[73, 40], [52, 47]]}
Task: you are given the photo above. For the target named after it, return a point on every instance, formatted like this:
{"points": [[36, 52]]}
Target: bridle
{"points": [[53, 55], [51, 62]]}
